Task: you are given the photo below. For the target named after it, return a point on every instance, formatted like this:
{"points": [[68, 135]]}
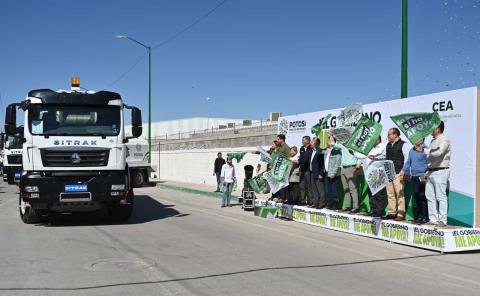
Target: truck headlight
{"points": [[31, 189], [118, 187]]}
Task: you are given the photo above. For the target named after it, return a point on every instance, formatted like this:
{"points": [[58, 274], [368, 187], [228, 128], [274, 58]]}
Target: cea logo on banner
{"points": [[296, 126]]}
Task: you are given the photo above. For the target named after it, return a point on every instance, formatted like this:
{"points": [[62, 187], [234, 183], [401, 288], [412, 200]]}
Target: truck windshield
{"points": [[74, 120], [13, 142]]}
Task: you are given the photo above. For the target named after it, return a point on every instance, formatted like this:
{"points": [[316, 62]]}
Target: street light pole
{"points": [[404, 87], [149, 49]]}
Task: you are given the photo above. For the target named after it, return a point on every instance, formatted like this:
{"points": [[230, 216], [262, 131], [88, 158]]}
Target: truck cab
{"points": [[12, 155], [74, 152]]}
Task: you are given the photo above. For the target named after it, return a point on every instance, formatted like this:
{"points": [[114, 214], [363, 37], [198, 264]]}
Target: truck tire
{"points": [[138, 178], [11, 179], [27, 214], [122, 212]]}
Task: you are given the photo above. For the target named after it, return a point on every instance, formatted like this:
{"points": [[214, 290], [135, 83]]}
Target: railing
{"points": [[236, 129]]}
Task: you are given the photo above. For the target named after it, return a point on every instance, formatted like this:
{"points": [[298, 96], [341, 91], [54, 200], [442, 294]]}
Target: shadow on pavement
{"points": [[146, 209]]}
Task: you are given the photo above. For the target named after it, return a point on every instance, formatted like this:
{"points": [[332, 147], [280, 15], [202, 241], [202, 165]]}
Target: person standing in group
{"points": [[397, 151], [333, 167], [349, 172], [228, 178], [294, 178], [303, 161], [438, 177], [279, 146], [415, 166], [217, 169], [377, 200], [317, 173]]}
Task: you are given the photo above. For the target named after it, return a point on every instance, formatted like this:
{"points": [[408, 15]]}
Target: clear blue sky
{"points": [[249, 56]]}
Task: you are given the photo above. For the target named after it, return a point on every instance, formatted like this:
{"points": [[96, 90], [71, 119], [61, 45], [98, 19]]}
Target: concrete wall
{"points": [[196, 166]]}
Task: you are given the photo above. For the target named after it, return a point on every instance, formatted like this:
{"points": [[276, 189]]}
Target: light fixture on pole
{"points": [[149, 49]]}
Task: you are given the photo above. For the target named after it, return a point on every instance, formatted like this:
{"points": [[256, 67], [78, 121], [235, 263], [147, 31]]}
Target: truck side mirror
{"points": [[136, 122], [11, 119]]}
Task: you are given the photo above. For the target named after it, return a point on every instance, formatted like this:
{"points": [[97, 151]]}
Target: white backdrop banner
{"points": [[457, 108]]}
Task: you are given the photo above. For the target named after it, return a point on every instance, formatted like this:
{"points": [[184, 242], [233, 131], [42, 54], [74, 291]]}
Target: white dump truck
{"points": [[11, 146], [74, 152]]}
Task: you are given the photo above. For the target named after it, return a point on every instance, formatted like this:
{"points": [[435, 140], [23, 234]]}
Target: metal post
{"points": [[149, 104], [404, 90], [159, 150]]}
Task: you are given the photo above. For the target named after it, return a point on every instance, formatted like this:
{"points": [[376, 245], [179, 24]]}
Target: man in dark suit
{"points": [[304, 162], [317, 174], [217, 169]]}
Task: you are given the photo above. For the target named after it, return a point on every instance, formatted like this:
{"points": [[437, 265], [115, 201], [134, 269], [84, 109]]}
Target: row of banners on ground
{"points": [[357, 133]]}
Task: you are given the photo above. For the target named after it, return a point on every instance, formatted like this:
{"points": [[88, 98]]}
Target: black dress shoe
{"points": [[354, 211], [388, 217], [346, 210]]}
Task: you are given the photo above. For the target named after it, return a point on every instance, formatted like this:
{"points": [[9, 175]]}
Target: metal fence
{"points": [[212, 132]]}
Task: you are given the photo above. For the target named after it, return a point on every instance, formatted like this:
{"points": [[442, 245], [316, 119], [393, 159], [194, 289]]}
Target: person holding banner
{"points": [[377, 200], [281, 147], [438, 175], [397, 151], [317, 172], [415, 166], [228, 178], [349, 172], [294, 178], [333, 167]]}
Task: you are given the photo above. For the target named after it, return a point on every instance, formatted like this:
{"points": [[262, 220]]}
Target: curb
{"points": [[217, 195]]}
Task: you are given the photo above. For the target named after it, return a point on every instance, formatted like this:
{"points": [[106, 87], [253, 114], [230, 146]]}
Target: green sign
{"points": [[417, 126], [364, 136]]}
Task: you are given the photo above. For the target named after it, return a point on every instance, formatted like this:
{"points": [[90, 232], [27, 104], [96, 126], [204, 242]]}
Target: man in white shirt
{"points": [[228, 178], [438, 169]]}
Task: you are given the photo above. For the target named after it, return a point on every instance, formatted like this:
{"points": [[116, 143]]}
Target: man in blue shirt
{"points": [[415, 166]]}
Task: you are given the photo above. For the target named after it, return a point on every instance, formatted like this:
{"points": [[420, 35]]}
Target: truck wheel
{"points": [[11, 179], [28, 215], [122, 212], [138, 178]]}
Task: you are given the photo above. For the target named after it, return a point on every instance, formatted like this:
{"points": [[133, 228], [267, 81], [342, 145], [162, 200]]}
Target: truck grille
{"points": [[14, 159], [53, 157]]}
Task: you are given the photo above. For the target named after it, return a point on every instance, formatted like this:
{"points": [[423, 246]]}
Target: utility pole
{"points": [[404, 90]]}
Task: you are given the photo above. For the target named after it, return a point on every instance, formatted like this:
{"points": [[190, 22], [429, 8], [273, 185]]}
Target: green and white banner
{"points": [[350, 115], [378, 174], [258, 183], [236, 155], [416, 126], [421, 236], [279, 167], [342, 134], [364, 136], [275, 186]]}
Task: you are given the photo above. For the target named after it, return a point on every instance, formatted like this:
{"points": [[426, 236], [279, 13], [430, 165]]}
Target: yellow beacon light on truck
{"points": [[75, 82]]}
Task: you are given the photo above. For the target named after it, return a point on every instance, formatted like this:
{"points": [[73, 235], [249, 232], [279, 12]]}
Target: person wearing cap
{"points": [[228, 178], [438, 177]]}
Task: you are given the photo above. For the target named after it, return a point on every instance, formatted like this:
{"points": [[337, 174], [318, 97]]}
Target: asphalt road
{"points": [[184, 244]]}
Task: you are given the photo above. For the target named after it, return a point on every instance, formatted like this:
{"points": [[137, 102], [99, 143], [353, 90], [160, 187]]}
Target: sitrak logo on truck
{"points": [[75, 142]]}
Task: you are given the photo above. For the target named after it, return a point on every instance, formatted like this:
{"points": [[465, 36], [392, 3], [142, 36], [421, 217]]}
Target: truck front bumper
{"points": [[73, 191], [14, 172]]}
